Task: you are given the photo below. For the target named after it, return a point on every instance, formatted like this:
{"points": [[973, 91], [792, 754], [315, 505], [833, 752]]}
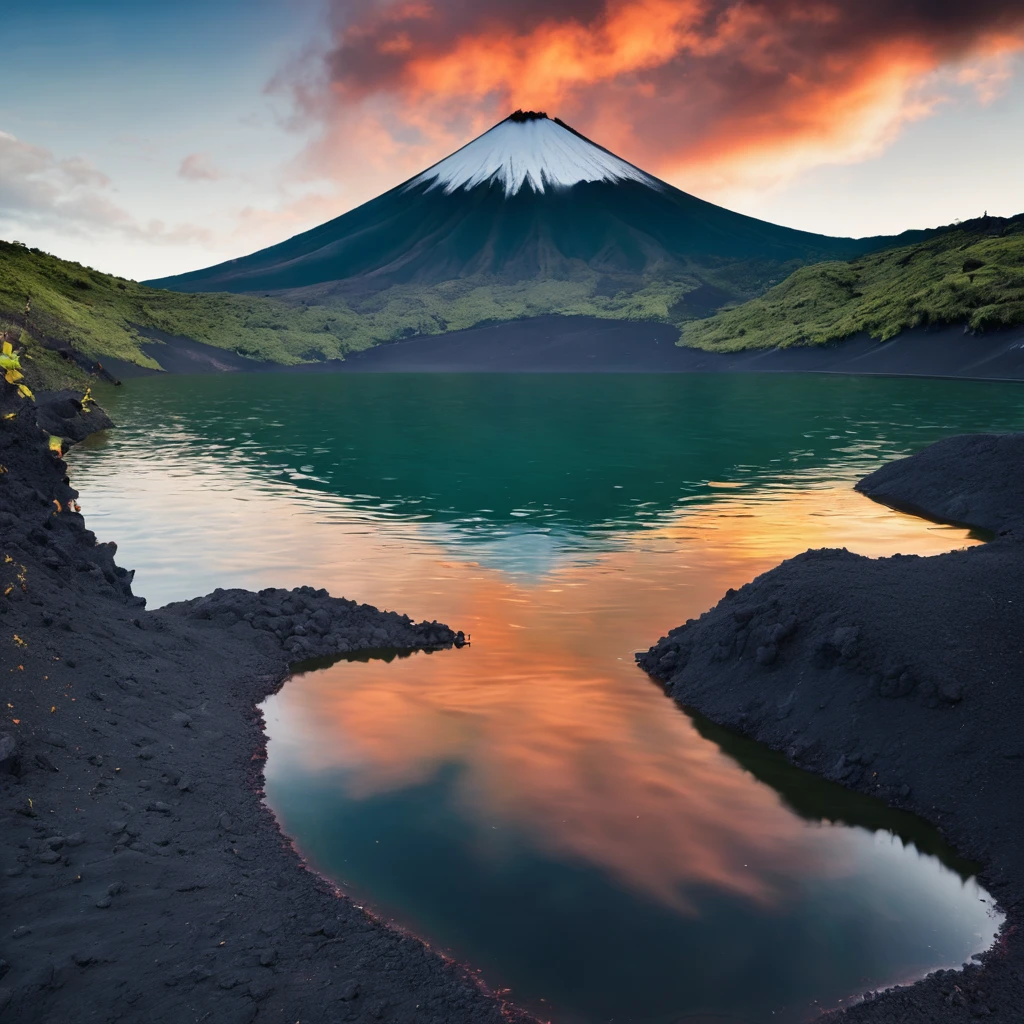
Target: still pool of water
{"points": [[533, 804]]}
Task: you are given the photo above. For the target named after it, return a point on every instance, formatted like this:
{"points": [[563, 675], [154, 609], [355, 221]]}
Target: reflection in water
{"points": [[815, 799], [577, 801], [533, 802]]}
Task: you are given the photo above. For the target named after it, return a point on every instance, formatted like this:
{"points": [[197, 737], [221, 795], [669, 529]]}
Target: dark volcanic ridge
{"points": [[578, 344], [529, 199], [555, 344], [899, 677], [143, 878]]}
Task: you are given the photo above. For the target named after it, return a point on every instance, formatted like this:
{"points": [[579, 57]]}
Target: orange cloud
{"points": [[712, 91]]}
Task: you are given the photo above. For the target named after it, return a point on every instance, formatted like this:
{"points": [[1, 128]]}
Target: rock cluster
{"points": [[65, 414]]}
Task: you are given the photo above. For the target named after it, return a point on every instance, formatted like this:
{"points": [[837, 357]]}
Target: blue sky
{"points": [[148, 139]]}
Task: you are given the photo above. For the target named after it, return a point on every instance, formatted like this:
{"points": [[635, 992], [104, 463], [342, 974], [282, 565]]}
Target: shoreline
{"points": [[131, 783], [899, 678], [144, 877], [570, 344]]}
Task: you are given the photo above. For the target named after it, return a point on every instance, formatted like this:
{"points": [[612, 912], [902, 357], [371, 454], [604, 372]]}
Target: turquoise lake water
{"points": [[533, 804]]}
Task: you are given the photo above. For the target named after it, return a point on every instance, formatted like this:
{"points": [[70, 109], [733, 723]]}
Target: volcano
{"points": [[532, 199]]}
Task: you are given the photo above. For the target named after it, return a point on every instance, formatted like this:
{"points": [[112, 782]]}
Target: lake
{"points": [[533, 805]]}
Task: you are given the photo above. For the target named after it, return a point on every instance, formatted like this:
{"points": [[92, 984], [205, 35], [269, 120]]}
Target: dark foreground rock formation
{"points": [[900, 677], [143, 880]]}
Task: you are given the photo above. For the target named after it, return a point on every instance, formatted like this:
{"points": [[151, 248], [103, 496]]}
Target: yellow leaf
{"points": [[9, 415], [13, 376], [24, 391], [8, 348]]}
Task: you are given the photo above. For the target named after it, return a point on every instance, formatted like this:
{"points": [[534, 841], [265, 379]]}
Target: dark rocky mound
{"points": [[973, 479], [311, 624], [900, 677], [64, 414], [144, 880]]}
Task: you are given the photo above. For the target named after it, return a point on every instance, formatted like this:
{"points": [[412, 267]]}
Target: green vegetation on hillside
{"points": [[66, 305], [973, 274], [100, 315]]}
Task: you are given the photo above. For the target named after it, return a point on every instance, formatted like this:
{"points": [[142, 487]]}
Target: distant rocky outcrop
{"points": [[972, 479]]}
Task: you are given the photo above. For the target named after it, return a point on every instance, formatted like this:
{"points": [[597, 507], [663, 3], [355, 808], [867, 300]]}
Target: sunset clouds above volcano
{"points": [[232, 125], [744, 90]]}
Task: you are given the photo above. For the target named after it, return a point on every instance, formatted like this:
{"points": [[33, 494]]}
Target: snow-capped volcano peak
{"points": [[529, 149]]}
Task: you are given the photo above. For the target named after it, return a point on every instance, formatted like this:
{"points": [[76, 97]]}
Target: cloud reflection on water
{"points": [[562, 744]]}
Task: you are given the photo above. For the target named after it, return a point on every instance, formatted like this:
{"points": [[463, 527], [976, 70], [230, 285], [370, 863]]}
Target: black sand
{"points": [[143, 879], [902, 678], [554, 344]]}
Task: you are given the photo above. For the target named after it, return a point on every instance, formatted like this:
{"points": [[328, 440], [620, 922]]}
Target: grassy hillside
{"points": [[973, 274], [100, 316]]}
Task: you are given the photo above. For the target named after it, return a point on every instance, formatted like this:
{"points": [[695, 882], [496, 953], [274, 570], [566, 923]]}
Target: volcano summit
{"points": [[529, 150], [530, 200]]}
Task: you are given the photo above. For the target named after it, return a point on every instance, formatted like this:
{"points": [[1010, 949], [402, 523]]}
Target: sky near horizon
{"points": [[150, 139]]}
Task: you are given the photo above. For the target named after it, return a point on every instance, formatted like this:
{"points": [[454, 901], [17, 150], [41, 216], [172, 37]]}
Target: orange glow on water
{"points": [[559, 727]]}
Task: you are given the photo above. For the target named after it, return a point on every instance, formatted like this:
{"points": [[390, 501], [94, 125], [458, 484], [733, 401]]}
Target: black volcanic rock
{"points": [[63, 414], [973, 479]]}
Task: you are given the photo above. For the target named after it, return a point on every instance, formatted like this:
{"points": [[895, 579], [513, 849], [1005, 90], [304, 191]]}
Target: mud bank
{"points": [[143, 879], [899, 677]]}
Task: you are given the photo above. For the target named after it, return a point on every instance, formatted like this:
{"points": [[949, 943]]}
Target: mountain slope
{"points": [[971, 274], [529, 199]]}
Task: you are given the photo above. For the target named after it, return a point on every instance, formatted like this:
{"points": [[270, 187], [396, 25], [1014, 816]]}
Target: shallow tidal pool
{"points": [[533, 804]]}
